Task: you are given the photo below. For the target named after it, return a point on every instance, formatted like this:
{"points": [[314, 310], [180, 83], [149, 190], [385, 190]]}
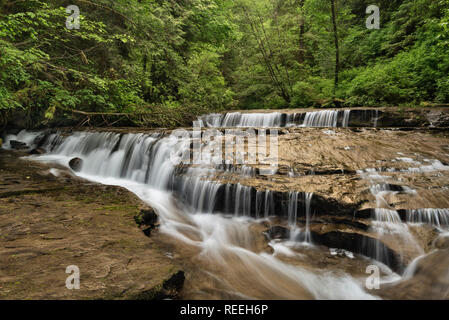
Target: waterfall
{"points": [[346, 116], [295, 232], [308, 203], [387, 223], [318, 119], [189, 202], [23, 136], [436, 217], [269, 204], [325, 118], [385, 215], [242, 120], [376, 118]]}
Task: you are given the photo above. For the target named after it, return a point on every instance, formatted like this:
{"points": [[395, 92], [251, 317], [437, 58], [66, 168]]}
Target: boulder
{"points": [[438, 119], [37, 151], [429, 280], [361, 244], [76, 164], [17, 145], [146, 217], [442, 242], [277, 232]]}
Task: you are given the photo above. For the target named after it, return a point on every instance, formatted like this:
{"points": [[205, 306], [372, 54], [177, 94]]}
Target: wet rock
{"points": [[18, 145], [147, 231], [170, 289], [122, 263], [361, 244], [350, 223], [175, 283], [438, 119], [364, 214], [146, 217], [76, 164], [429, 280], [277, 232], [42, 138], [442, 242], [37, 151]]}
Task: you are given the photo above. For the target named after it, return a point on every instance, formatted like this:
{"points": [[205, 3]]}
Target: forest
{"points": [[162, 63]]}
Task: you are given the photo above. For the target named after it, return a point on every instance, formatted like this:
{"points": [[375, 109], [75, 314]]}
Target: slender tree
{"points": [[302, 32], [337, 49]]}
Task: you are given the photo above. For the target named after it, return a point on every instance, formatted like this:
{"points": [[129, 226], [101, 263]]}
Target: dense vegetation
{"points": [[166, 61]]}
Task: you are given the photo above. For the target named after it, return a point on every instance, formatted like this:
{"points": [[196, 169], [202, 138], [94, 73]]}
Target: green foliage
{"points": [[206, 86], [176, 59], [417, 74], [128, 56]]}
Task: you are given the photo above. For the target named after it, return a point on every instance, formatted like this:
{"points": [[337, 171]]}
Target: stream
{"points": [[216, 216]]}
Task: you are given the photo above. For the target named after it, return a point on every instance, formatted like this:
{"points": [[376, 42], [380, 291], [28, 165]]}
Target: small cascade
{"points": [[321, 119], [346, 116], [293, 209], [308, 202], [295, 232], [435, 217], [269, 204], [314, 119], [23, 136], [388, 216], [242, 120], [387, 223], [376, 118]]}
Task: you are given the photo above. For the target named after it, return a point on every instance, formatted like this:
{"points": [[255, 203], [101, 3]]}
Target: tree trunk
{"points": [[337, 50], [302, 29]]}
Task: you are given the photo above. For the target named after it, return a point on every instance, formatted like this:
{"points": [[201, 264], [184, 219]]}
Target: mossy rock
{"points": [[146, 217]]}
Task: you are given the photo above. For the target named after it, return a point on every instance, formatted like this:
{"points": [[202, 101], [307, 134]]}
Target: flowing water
{"points": [[217, 225], [222, 243], [323, 119]]}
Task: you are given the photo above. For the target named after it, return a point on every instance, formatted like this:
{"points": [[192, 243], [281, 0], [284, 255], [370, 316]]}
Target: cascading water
{"points": [[326, 118], [187, 207], [387, 223], [436, 217], [237, 119], [319, 119], [295, 232]]}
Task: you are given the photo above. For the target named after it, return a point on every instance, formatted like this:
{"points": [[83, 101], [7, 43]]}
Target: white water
{"points": [[140, 163], [387, 223], [326, 118], [295, 232], [436, 217], [319, 119], [237, 119], [22, 136]]}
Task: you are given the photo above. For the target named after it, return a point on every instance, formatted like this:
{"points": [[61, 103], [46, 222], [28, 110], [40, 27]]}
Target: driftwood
{"points": [[112, 118]]}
